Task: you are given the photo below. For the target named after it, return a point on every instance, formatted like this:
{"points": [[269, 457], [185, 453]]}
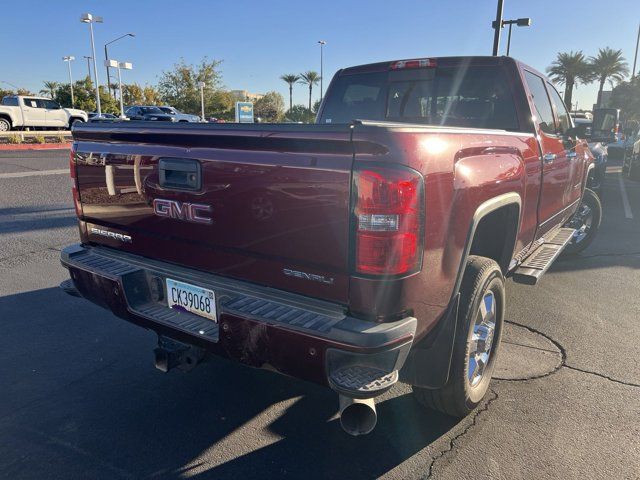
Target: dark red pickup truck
{"points": [[368, 248]]}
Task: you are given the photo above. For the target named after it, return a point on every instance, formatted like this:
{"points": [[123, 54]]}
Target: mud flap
{"points": [[429, 361]]}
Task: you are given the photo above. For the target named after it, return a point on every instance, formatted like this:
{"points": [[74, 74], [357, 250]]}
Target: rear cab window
{"points": [[10, 102], [461, 96]]}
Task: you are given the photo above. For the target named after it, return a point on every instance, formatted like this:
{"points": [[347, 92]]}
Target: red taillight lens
{"points": [[388, 212]]}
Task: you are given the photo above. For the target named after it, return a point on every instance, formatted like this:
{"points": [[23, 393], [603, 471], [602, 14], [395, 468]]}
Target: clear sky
{"points": [[260, 40]]}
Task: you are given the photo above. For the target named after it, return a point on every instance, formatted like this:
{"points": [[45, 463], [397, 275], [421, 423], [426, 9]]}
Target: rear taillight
{"points": [[74, 183], [388, 220]]}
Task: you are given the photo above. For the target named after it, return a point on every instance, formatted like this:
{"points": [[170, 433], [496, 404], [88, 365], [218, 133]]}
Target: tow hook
{"points": [[170, 354]]}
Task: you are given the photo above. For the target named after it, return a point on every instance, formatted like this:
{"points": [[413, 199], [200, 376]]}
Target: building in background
{"points": [[246, 96]]}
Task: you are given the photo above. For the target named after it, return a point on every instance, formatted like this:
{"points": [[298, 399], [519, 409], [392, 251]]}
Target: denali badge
{"points": [[307, 276], [109, 234], [189, 212]]}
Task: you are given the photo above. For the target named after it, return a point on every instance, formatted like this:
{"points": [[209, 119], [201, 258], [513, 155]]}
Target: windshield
{"points": [[465, 97], [169, 110]]}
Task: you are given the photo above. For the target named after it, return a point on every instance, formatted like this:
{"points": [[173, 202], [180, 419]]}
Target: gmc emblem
{"points": [[189, 212]]}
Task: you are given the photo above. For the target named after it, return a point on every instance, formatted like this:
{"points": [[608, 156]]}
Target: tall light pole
{"points": [[201, 85], [89, 58], [69, 59], [635, 57], [90, 19], [106, 58], [124, 66], [497, 26], [322, 44], [520, 22]]}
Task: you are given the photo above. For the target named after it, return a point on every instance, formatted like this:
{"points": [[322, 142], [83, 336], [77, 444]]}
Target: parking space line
{"points": [[625, 199], [37, 173]]}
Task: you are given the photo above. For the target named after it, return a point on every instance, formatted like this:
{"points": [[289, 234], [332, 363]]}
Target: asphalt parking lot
{"points": [[80, 397]]}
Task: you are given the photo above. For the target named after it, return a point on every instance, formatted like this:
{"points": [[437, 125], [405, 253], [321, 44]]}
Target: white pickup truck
{"points": [[18, 112]]}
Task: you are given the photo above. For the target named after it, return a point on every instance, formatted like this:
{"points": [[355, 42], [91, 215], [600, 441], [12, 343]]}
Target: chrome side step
{"points": [[539, 261]]}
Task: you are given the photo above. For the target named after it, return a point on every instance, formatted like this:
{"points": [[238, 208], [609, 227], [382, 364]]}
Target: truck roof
{"points": [[440, 61]]}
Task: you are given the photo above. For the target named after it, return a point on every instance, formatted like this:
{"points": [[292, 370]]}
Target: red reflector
{"points": [[415, 63], [388, 211]]}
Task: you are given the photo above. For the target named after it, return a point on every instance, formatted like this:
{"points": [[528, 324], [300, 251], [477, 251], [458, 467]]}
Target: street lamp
{"points": [[201, 85], [89, 58], [635, 57], [106, 58], [90, 19], [322, 44], [69, 59], [520, 22], [119, 66]]}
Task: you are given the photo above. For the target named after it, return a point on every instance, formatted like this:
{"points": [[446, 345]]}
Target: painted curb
{"points": [[39, 146]]}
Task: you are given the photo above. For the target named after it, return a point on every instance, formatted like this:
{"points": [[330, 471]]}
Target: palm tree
{"points": [[290, 78], [608, 65], [50, 89], [569, 69], [310, 78]]}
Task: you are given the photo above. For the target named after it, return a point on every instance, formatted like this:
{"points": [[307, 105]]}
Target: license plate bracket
{"points": [[191, 298]]}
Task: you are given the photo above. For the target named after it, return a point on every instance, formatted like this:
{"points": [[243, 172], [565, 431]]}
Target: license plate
{"points": [[191, 298]]}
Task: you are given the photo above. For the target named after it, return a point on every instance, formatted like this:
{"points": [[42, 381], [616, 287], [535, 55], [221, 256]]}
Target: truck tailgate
{"points": [[269, 204]]}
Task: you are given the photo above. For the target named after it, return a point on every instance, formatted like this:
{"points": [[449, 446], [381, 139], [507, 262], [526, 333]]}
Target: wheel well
{"points": [[495, 235], [7, 118]]}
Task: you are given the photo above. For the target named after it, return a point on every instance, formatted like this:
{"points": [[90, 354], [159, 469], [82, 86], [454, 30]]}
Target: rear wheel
{"points": [[5, 125], [586, 222], [478, 333]]}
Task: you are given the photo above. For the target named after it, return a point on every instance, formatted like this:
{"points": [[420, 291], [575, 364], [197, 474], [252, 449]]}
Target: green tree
{"points": [[290, 79], [568, 69], [133, 94], [24, 91], [310, 79], [626, 96], [609, 65], [297, 113], [84, 93], [316, 107], [151, 95], [4, 93], [269, 108], [50, 89], [179, 86]]}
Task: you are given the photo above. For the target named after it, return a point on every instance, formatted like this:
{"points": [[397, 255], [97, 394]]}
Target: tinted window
{"points": [[33, 103], [10, 101], [467, 97], [153, 110], [544, 113], [561, 111], [50, 104]]}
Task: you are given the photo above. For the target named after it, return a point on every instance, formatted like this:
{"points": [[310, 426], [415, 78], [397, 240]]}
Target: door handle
{"points": [[549, 157]]}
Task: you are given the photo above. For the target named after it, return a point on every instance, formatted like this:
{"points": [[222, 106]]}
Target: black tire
{"points": [[459, 396], [591, 200], [5, 125]]}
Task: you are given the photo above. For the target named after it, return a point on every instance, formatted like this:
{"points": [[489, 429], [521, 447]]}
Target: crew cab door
{"points": [[55, 115], [556, 171], [574, 151], [34, 112]]}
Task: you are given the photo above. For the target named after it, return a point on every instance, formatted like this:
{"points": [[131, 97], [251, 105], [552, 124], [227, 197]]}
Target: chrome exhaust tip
{"points": [[357, 416]]}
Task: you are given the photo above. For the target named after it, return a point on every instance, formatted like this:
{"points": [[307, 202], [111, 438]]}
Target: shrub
{"points": [[38, 139], [14, 139]]}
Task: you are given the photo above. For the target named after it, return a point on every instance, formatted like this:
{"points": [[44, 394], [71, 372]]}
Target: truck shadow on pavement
{"points": [[82, 395]]}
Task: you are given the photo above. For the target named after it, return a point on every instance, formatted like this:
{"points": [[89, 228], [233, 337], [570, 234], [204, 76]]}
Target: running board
{"points": [[536, 264]]}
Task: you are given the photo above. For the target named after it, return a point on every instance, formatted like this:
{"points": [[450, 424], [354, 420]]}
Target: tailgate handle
{"points": [[180, 174]]}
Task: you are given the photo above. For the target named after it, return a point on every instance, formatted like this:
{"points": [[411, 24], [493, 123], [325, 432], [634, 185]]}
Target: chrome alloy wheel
{"points": [[482, 339], [581, 221]]}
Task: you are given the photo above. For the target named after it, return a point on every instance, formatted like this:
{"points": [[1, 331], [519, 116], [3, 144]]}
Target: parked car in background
{"points": [[21, 112], [148, 113], [180, 117], [107, 116], [369, 248], [631, 164]]}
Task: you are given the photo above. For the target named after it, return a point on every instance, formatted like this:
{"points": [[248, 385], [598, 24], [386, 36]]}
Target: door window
{"points": [[32, 102], [51, 105], [544, 112], [564, 120]]}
